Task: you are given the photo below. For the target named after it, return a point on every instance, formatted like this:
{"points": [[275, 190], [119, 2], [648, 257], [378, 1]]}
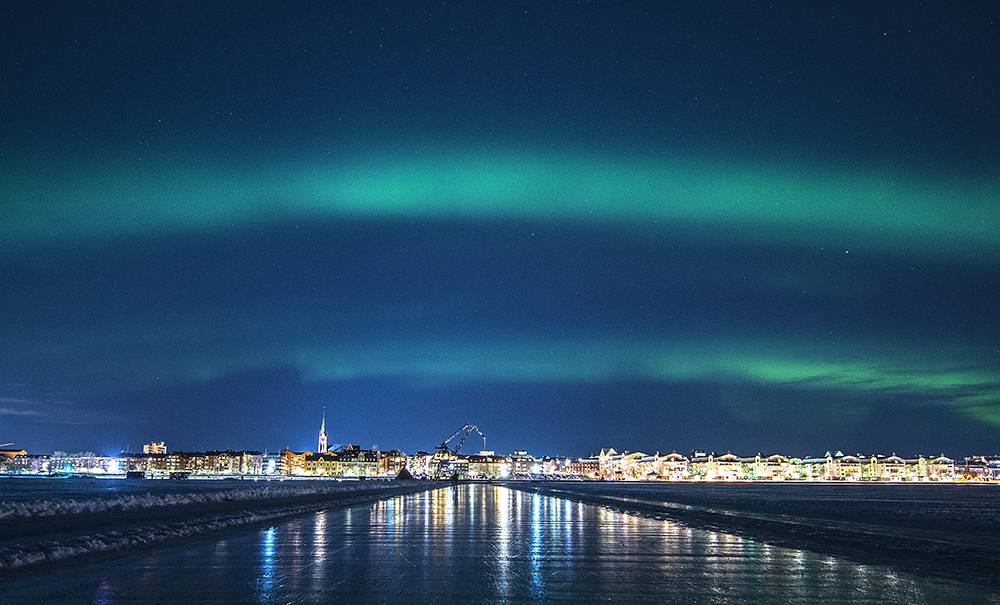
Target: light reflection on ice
{"points": [[515, 546], [537, 504], [265, 582]]}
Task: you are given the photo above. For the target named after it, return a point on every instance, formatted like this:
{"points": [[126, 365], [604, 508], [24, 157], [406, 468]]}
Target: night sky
{"points": [[756, 228]]}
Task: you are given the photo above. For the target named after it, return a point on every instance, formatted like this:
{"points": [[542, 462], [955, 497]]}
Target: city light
{"points": [[353, 462]]}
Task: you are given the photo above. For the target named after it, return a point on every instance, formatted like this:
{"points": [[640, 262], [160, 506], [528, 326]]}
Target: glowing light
{"points": [[864, 205], [268, 571]]}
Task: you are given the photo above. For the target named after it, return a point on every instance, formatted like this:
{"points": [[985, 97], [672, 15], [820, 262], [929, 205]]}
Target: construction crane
{"points": [[6, 444], [465, 431]]}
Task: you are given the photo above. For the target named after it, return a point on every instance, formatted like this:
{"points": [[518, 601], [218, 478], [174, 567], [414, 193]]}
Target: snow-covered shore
{"points": [[45, 530]]}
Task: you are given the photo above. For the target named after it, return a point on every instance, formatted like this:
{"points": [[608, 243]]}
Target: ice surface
{"points": [[936, 529], [479, 544]]}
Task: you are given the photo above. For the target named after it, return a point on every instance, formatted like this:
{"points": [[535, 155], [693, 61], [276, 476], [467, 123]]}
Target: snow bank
{"points": [[129, 502]]}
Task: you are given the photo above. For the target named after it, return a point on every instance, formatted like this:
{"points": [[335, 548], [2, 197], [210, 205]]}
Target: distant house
{"points": [[939, 468], [588, 468], [674, 467], [980, 468], [769, 468], [15, 462], [488, 465], [886, 468], [709, 467], [620, 466], [11, 454], [843, 467]]}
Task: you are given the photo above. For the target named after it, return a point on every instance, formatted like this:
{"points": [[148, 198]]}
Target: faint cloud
{"points": [[16, 412], [48, 409], [16, 400]]}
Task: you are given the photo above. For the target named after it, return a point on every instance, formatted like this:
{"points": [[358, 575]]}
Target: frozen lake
{"points": [[476, 543], [20, 489]]}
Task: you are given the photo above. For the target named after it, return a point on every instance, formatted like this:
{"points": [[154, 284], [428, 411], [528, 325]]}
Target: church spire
{"points": [[323, 445]]}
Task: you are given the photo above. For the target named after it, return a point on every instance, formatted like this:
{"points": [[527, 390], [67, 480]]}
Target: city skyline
{"points": [[324, 445], [448, 461]]}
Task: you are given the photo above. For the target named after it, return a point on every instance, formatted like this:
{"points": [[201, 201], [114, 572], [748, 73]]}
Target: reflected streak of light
{"points": [[428, 499], [319, 550], [503, 517], [536, 545], [104, 593], [268, 567], [568, 522], [319, 538], [470, 505]]}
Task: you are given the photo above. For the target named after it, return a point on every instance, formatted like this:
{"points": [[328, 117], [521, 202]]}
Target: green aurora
{"points": [[906, 215], [888, 210], [681, 226]]}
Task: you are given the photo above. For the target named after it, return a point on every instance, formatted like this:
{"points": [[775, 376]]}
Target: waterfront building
{"points": [[887, 468], [444, 465], [727, 467], [587, 468], [698, 465], [23, 463], [38, 463], [843, 467], [521, 463], [620, 466], [229, 462], [768, 468], [980, 468], [184, 464], [391, 462], [271, 464], [84, 463], [149, 465], [673, 467], [358, 462], [155, 447], [551, 466], [753, 467], [349, 462], [6, 454], [487, 465], [13, 461], [293, 463], [315, 464], [938, 468], [451, 466], [796, 472], [647, 467], [605, 460], [709, 467], [811, 468], [419, 464]]}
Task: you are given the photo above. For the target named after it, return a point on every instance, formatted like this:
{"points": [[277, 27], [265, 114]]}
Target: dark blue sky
{"points": [[577, 225]]}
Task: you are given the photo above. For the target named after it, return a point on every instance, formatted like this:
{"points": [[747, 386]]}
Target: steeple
{"points": [[323, 443]]}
